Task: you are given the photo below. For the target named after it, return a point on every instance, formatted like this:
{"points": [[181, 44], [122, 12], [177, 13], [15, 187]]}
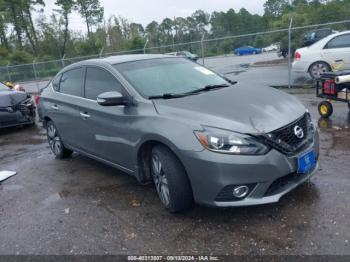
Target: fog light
{"points": [[240, 191]]}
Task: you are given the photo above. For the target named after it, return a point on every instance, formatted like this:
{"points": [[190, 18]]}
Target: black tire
{"points": [[33, 117], [349, 105], [55, 142], [325, 109], [173, 176], [317, 68]]}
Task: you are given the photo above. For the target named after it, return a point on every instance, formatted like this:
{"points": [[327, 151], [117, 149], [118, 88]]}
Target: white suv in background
{"points": [[328, 54]]}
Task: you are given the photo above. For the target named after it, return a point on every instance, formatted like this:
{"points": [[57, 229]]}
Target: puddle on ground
{"points": [[337, 129], [335, 123], [32, 135]]}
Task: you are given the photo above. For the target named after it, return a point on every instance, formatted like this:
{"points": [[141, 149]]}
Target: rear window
{"points": [[341, 41], [71, 82]]}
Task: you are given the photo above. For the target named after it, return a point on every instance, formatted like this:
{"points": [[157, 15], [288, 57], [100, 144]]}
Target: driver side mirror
{"points": [[111, 99]]}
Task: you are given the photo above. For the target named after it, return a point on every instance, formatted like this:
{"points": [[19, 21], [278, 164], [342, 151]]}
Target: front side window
{"points": [[71, 82], [156, 77], [56, 82], [99, 81], [341, 41]]}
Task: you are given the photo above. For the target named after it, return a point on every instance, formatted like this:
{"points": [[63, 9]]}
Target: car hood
{"points": [[250, 110], [11, 98]]}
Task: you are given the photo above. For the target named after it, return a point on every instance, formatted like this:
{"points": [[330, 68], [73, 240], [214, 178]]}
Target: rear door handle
{"points": [[84, 115], [55, 107]]}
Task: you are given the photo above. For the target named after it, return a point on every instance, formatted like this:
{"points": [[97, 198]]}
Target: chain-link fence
{"points": [[216, 53]]}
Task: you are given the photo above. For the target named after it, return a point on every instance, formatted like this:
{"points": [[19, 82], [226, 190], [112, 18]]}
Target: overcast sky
{"points": [[142, 11]]}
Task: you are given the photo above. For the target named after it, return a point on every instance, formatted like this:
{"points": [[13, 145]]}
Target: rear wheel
{"points": [[170, 179], [318, 68], [325, 109], [55, 142]]}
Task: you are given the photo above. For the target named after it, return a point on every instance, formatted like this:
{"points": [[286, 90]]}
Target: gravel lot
{"points": [[79, 206]]}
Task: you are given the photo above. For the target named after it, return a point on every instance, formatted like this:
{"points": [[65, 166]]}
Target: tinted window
{"points": [[167, 75], [99, 81], [71, 82], [339, 42]]}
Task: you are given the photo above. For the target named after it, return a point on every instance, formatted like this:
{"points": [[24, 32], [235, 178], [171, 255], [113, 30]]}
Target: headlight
{"points": [[310, 125], [228, 142]]}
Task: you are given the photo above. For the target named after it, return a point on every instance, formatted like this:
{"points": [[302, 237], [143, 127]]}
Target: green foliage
{"points": [[22, 40], [18, 57], [88, 47]]}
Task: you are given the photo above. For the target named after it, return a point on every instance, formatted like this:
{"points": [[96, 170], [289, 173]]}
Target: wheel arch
{"points": [[143, 156], [318, 61], [46, 119]]}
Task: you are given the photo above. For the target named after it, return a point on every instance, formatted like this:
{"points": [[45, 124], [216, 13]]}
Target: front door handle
{"points": [[84, 115], [55, 107]]}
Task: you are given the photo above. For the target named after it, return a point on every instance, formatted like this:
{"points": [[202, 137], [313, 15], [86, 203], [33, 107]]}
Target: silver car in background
{"points": [[199, 137]]}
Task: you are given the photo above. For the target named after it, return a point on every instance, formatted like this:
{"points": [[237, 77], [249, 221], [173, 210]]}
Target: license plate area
{"points": [[306, 162]]}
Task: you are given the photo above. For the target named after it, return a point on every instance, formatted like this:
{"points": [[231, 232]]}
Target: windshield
{"points": [[3, 87], [156, 77]]}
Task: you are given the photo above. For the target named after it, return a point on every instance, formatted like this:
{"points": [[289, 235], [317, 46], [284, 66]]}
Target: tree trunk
{"points": [[65, 37], [87, 25], [32, 28], [16, 24], [3, 37], [29, 36]]}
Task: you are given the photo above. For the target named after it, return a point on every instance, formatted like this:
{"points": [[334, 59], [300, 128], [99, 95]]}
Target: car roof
{"points": [[321, 43], [336, 34], [113, 60]]}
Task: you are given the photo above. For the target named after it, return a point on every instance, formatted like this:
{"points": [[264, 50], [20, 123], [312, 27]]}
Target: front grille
{"points": [[285, 140], [23, 109]]}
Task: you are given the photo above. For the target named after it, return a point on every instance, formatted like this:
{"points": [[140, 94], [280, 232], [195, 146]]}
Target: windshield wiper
{"points": [[167, 96], [204, 89], [207, 88]]}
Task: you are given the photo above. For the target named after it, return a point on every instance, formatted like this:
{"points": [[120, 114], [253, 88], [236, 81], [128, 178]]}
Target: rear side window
{"points": [[71, 82], [341, 41], [99, 81]]}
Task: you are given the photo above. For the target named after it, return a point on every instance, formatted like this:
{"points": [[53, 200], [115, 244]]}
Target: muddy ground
{"points": [[79, 206]]}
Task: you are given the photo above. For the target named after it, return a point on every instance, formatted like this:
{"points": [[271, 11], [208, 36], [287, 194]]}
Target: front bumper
{"points": [[270, 176], [14, 119]]}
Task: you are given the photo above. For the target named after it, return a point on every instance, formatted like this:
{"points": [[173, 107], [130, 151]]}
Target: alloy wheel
{"points": [[54, 140], [318, 69], [160, 180]]}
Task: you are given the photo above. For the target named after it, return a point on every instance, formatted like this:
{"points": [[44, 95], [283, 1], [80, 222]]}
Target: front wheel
{"points": [[170, 179], [325, 109], [55, 142]]}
